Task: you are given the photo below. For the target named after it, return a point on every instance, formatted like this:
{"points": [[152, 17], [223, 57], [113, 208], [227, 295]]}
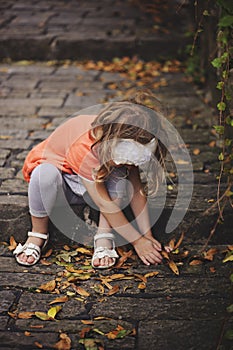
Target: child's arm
{"points": [[147, 249]]}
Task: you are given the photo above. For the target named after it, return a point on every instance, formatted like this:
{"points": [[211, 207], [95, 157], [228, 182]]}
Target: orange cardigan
{"points": [[68, 148]]}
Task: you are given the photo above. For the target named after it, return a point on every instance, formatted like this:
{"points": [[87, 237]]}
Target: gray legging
{"points": [[47, 188]]}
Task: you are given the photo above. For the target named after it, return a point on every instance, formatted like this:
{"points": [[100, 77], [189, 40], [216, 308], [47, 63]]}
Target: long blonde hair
{"points": [[134, 119]]}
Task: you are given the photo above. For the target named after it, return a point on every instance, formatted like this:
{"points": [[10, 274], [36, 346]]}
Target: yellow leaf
{"points": [[49, 286], [25, 315], [54, 310], [42, 316], [173, 267], [62, 299], [84, 251], [228, 258]]}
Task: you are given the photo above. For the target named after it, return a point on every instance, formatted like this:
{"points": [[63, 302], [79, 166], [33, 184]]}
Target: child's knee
{"points": [[46, 175]]}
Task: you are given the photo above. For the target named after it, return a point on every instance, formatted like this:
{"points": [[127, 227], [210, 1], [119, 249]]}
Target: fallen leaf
{"points": [[88, 322], [45, 262], [114, 290], [151, 274], [196, 151], [142, 285], [84, 251], [209, 255], [66, 247], [212, 269], [27, 334], [228, 257], [117, 276], [42, 316], [64, 342], [38, 345], [12, 314], [49, 286], [62, 299], [195, 262], [173, 267], [80, 291], [179, 241], [140, 277], [54, 310], [48, 253], [91, 343], [37, 326], [84, 331], [25, 315], [13, 244]]}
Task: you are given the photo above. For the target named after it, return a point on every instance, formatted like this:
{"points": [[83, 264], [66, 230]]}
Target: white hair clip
{"points": [[130, 152]]}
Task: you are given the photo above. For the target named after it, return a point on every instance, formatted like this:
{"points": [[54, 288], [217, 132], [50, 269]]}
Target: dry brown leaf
{"points": [[196, 151], [12, 314], [230, 247], [62, 299], [114, 290], [108, 285], [64, 342], [173, 267], [142, 285], [84, 331], [195, 262], [80, 291], [25, 315], [165, 254], [179, 241], [209, 255], [171, 244], [13, 244], [48, 253], [212, 269], [49, 286], [140, 277], [151, 274], [27, 334], [45, 262], [87, 322], [117, 276], [66, 247], [38, 345], [37, 326]]}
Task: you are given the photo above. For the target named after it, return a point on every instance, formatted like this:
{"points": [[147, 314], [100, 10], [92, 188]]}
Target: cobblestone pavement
{"points": [[146, 311]]}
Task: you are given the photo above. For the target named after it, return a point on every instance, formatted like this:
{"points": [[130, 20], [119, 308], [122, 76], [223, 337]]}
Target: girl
{"points": [[98, 158]]}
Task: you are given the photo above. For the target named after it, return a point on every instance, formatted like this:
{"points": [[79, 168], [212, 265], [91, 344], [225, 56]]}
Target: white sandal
{"points": [[31, 249], [101, 252]]}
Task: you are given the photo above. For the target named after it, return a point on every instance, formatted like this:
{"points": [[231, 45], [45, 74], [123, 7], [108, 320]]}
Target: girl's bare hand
{"points": [[148, 250]]}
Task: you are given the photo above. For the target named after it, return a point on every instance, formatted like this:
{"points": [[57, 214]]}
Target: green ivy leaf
{"points": [[219, 129], [217, 62], [221, 156], [220, 85], [221, 106], [226, 21]]}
